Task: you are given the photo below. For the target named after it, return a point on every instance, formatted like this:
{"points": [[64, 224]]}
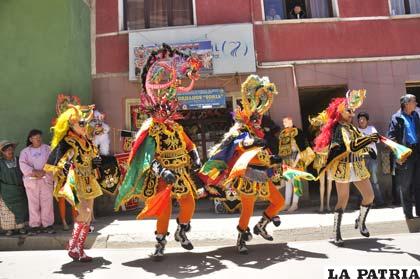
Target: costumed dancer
{"points": [[320, 160], [101, 133], [109, 173], [242, 162], [296, 153], [61, 106], [163, 157], [345, 162], [74, 161]]}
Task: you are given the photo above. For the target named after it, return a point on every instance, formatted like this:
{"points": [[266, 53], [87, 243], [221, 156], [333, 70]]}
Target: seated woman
{"points": [[13, 201]]}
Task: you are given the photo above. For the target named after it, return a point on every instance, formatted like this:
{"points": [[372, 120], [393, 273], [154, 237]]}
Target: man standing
{"points": [[405, 129], [371, 162]]}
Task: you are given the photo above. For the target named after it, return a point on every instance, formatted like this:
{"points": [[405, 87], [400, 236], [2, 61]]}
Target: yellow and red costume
{"points": [[243, 163], [163, 156], [74, 161]]}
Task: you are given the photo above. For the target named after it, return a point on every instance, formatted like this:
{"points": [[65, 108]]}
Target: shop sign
{"points": [[202, 99]]}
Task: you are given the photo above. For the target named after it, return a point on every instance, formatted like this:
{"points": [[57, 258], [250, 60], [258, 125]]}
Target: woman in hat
{"points": [[13, 201]]}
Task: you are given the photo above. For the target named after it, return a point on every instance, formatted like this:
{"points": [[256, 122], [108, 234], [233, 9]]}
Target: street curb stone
{"points": [[96, 240]]}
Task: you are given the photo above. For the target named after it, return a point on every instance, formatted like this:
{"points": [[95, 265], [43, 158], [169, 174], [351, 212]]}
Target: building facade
{"points": [[312, 53], [44, 51]]}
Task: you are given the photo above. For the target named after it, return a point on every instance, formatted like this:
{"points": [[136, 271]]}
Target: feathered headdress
{"points": [[257, 96], [354, 100], [161, 81], [319, 120], [73, 115]]}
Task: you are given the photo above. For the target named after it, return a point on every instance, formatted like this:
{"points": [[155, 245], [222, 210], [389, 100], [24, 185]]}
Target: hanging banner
{"points": [[224, 49], [202, 50]]}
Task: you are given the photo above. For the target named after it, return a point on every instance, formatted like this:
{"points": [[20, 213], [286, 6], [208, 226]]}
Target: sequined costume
{"points": [[163, 156], [295, 152], [349, 166], [74, 162], [242, 162], [80, 180], [291, 144], [346, 147]]}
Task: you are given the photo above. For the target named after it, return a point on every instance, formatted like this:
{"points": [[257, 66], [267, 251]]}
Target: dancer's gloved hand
{"points": [[96, 162], [195, 160], [374, 137], [168, 176], [259, 142], [372, 153], [66, 168], [202, 193], [249, 142], [275, 160]]}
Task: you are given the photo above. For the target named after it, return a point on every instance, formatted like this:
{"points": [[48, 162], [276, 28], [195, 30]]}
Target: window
{"points": [[413, 88], [297, 9], [405, 7], [274, 9], [141, 14]]}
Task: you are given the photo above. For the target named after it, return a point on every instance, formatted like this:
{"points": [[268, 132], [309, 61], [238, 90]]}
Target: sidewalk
{"points": [[209, 229]]}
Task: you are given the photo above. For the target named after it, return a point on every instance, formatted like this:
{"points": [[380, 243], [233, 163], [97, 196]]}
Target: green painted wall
{"points": [[44, 50]]}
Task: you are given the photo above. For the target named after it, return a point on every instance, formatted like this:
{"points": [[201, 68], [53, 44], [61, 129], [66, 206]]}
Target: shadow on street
{"points": [[188, 265], [376, 245], [79, 269]]}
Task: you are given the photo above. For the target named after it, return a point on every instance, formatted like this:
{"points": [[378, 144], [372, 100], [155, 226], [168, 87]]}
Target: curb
{"points": [[115, 241]]}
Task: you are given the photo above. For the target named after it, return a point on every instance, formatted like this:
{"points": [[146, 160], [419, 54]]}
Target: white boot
{"points": [[288, 194], [294, 206], [160, 246]]}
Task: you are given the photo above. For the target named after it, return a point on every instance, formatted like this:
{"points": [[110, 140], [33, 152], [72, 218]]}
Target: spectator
{"points": [[371, 159], [297, 12], [13, 201], [405, 129], [296, 153], [38, 184], [272, 14]]}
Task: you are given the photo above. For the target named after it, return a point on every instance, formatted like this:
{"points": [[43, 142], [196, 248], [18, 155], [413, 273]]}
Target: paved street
{"points": [[300, 248], [306, 259], [209, 229]]}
